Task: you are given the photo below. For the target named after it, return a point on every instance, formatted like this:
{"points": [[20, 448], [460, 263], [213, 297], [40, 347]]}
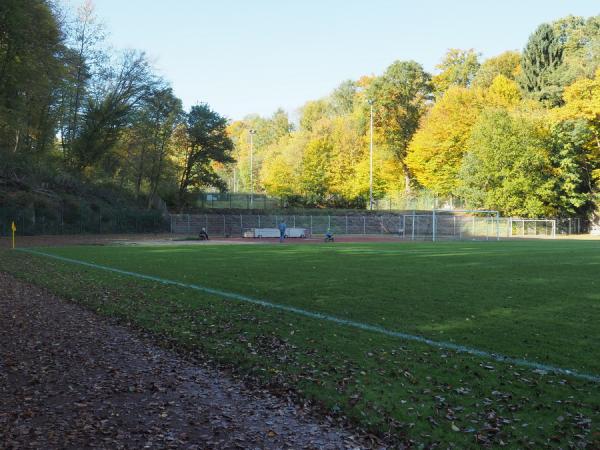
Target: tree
{"points": [[437, 149], [163, 112], [507, 64], [348, 150], [311, 113], [268, 132], [31, 43], [574, 171], [458, 68], [508, 166], [83, 59], [401, 96], [541, 58], [148, 137], [278, 177], [202, 141], [580, 40], [314, 179], [342, 98], [503, 93], [582, 104], [107, 113]]}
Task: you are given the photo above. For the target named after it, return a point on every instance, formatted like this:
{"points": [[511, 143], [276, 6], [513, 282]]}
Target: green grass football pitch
{"points": [[535, 301]]}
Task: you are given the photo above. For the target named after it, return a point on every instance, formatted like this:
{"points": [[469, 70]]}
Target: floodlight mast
{"points": [[370, 101], [252, 132]]}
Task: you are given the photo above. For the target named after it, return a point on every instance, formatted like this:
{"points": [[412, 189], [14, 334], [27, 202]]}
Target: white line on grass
{"points": [[337, 320]]}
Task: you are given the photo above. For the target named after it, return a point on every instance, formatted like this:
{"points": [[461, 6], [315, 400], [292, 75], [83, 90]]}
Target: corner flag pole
{"points": [[14, 228]]}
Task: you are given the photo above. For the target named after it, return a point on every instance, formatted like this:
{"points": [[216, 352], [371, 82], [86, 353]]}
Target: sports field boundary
{"points": [[329, 318]]}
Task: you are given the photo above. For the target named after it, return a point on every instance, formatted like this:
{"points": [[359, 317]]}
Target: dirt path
{"points": [[70, 379]]}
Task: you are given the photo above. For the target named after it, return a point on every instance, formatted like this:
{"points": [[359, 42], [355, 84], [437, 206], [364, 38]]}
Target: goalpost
{"points": [[443, 224], [531, 228]]}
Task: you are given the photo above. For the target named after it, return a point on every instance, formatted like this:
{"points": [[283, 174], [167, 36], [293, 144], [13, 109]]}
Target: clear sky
{"points": [[243, 56]]}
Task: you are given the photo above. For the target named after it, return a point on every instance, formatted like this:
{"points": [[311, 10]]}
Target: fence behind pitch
{"points": [[408, 225]]}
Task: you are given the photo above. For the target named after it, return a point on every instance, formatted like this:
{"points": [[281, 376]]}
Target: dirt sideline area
{"points": [[172, 239], [70, 379]]}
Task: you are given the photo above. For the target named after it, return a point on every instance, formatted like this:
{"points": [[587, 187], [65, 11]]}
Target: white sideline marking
{"points": [[334, 319]]}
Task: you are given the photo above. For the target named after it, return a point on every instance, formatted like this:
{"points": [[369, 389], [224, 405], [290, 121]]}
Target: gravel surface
{"points": [[170, 239], [70, 379]]}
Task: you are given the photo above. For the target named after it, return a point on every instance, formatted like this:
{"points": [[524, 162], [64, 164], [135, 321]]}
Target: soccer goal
{"points": [[530, 228], [451, 225]]}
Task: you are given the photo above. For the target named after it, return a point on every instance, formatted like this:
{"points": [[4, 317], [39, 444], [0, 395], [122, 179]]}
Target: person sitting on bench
{"points": [[203, 235]]}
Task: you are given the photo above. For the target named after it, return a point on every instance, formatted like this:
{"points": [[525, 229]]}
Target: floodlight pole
{"points": [[371, 160], [252, 133]]}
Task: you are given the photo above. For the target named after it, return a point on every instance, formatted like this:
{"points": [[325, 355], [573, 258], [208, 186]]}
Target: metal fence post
{"points": [[346, 224], [413, 226], [364, 225], [311, 226], [454, 226], [433, 224], [497, 225], [188, 223]]}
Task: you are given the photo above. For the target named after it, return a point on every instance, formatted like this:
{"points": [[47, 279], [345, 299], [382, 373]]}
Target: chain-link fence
{"points": [[408, 225], [228, 200], [29, 222]]}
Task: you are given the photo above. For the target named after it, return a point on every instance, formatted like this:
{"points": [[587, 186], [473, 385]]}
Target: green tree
{"points": [[205, 141], [401, 97], [312, 112], [541, 58], [31, 43], [507, 64], [574, 174], [83, 60], [343, 97], [580, 40], [106, 115], [162, 114], [144, 145], [458, 68], [508, 166]]}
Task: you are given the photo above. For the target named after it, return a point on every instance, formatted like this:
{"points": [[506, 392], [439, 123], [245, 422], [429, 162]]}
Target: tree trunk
{"points": [[407, 177], [154, 180], [18, 134], [140, 174]]}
